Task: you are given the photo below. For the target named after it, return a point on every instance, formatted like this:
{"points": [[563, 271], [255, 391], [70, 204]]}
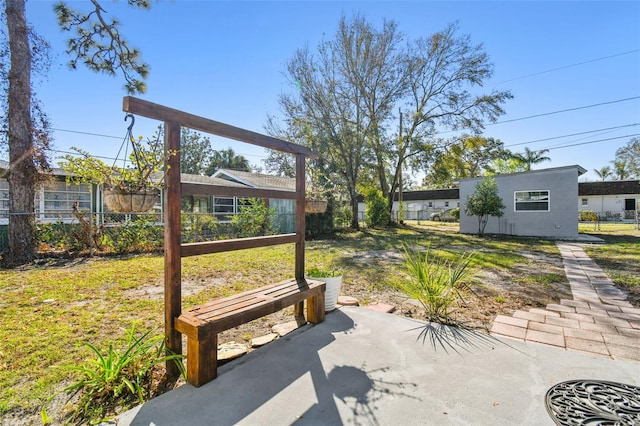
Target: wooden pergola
{"points": [[174, 189]]}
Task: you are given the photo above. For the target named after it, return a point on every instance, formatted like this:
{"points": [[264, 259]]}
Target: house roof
{"points": [[430, 194], [614, 187], [581, 171], [55, 171], [257, 180]]}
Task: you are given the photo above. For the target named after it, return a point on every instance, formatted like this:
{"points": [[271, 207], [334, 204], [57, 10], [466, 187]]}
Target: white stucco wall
{"points": [[606, 203], [561, 220]]}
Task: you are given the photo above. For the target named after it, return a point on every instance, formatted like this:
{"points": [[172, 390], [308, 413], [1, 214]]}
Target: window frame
{"points": [[516, 203]]}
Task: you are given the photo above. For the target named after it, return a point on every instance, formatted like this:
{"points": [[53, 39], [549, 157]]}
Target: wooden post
{"points": [[300, 232], [172, 255]]}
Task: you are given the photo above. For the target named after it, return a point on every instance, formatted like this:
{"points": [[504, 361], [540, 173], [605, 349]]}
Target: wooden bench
{"points": [[201, 324]]}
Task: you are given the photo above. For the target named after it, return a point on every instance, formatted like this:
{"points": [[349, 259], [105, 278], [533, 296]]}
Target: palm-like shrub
{"points": [[118, 376], [436, 283]]}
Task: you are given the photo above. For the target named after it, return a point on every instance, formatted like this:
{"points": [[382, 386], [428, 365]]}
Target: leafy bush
{"points": [[139, 234], [588, 216], [119, 376], [436, 284], [455, 212], [254, 219], [377, 213], [198, 227]]}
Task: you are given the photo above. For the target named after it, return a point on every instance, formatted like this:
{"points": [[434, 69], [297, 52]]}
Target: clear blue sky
{"points": [[225, 61]]}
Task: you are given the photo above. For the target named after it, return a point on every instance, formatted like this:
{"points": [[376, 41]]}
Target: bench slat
{"points": [[223, 314]]}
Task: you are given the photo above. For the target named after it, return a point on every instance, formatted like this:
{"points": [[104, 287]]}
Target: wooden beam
{"points": [[298, 309], [231, 191], [160, 112], [172, 240], [194, 249]]}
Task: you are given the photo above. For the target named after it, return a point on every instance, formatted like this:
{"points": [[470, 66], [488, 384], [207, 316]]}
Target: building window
{"points": [[430, 204], [446, 204], [527, 201], [585, 201]]}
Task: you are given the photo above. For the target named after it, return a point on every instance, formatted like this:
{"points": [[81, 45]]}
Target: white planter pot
{"points": [[333, 285]]}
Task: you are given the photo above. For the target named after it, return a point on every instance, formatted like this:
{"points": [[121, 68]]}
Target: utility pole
{"points": [[400, 207]]}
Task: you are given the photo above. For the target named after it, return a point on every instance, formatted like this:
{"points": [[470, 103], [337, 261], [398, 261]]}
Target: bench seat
{"points": [[201, 324]]}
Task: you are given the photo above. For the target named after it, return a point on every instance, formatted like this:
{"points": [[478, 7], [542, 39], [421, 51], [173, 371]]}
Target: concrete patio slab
{"points": [[364, 367]]}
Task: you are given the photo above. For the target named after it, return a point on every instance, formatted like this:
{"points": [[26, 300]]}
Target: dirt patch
{"points": [[494, 293]]}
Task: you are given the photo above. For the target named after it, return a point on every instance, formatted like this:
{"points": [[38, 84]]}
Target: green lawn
{"points": [[46, 311]]}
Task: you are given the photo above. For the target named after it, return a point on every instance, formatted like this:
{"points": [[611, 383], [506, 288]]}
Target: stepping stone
{"points": [[263, 340], [231, 350], [348, 301], [284, 328], [381, 307]]}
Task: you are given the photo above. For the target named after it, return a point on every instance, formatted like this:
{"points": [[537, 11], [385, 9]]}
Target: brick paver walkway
{"points": [[598, 320]]}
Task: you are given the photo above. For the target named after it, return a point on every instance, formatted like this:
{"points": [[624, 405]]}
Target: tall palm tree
{"points": [[531, 157], [604, 172]]}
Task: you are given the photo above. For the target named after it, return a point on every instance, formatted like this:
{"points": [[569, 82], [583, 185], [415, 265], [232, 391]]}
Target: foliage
{"points": [[465, 157], [485, 202], [530, 157], [254, 219], [322, 273], [500, 166], [96, 43], [145, 160], [195, 151], [377, 213], [227, 159], [120, 374], [588, 216], [137, 235], [437, 284], [630, 156], [198, 227], [603, 173], [455, 212]]}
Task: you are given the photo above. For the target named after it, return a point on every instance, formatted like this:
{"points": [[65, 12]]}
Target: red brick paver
{"points": [[599, 319]]}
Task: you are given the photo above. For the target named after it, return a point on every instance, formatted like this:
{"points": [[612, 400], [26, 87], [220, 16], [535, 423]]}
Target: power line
{"points": [[573, 134], [564, 110], [568, 66], [590, 142]]}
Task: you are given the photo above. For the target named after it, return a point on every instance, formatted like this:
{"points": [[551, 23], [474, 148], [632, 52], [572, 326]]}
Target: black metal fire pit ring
{"points": [[593, 402]]}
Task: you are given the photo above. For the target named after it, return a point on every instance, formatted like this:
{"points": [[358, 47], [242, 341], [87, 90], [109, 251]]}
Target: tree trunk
{"points": [[23, 173], [355, 224]]}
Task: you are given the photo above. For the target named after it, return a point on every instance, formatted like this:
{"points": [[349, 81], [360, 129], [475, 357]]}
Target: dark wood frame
{"points": [[174, 250]]}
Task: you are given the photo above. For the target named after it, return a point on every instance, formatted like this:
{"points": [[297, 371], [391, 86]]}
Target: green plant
{"points": [[437, 284], [500, 299], [138, 234], [455, 212], [377, 213], [145, 159], [588, 216], [322, 273], [255, 218], [116, 375], [485, 202]]}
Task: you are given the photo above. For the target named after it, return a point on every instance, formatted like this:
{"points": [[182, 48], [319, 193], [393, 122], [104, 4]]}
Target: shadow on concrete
{"points": [[290, 365], [456, 338]]}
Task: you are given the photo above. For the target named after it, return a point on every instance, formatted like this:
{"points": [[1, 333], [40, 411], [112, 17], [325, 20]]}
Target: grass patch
{"points": [[620, 255]]}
